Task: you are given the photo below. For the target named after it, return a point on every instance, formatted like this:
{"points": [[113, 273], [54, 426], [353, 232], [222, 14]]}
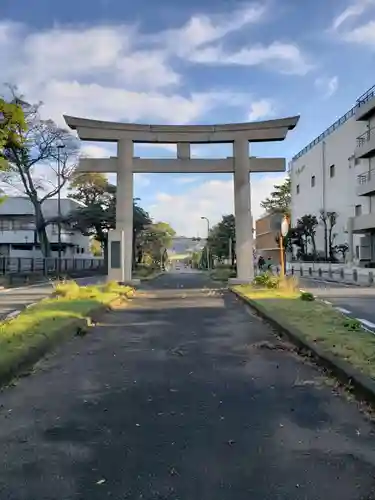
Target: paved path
{"points": [[353, 300], [182, 395], [13, 300]]}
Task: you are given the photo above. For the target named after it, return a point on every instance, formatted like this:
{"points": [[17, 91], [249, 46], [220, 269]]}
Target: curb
{"points": [[34, 354], [363, 385]]}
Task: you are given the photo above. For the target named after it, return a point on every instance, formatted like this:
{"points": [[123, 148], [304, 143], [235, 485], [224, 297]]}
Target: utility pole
{"points": [[59, 147], [207, 247]]}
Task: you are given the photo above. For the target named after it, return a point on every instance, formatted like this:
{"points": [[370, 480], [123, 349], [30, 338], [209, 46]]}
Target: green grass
{"points": [[318, 322], [49, 317]]}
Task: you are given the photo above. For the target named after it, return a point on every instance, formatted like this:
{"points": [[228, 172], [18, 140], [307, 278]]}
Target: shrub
{"points": [[66, 289], [289, 284], [307, 296], [110, 286], [266, 280]]}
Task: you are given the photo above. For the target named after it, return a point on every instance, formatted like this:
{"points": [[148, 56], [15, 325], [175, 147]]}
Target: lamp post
{"points": [[59, 147], [207, 248]]}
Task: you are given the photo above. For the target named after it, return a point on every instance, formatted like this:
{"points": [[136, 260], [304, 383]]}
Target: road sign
{"points": [[284, 226]]}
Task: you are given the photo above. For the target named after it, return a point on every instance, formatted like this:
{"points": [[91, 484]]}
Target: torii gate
{"points": [[125, 164]]}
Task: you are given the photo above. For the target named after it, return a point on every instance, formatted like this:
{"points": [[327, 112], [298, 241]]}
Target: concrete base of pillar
{"points": [[132, 282], [239, 281]]}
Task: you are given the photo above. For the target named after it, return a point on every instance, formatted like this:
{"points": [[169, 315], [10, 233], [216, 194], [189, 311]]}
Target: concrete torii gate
{"points": [[125, 164]]}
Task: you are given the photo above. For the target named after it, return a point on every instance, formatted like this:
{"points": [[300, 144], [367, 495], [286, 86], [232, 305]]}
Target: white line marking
{"points": [[367, 323], [327, 302], [343, 310]]}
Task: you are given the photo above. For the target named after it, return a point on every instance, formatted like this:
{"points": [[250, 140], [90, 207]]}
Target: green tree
{"points": [[154, 241], [97, 215], [280, 199], [308, 224], [328, 220], [12, 128], [221, 236], [32, 163]]}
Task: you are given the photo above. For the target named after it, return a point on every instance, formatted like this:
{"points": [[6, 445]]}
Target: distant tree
{"points": [[221, 236], [341, 249], [328, 220], [154, 240], [32, 163], [308, 224], [280, 199]]}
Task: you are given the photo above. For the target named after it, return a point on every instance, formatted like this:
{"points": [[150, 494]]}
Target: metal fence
{"points": [[46, 266]]}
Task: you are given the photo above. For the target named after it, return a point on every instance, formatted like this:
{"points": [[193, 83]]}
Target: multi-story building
{"points": [[267, 229], [336, 173], [17, 229]]}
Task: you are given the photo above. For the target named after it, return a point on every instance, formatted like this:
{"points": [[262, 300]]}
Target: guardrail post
{"points": [[292, 270], [32, 265], [320, 272], [45, 267], [371, 277], [310, 271], [301, 271], [19, 265], [355, 275], [342, 276], [330, 272]]}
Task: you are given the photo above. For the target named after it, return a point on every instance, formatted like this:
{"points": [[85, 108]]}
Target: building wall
{"points": [[331, 193], [267, 228], [17, 229]]}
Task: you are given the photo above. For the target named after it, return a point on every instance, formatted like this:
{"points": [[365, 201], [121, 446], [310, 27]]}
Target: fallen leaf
{"points": [[101, 481]]}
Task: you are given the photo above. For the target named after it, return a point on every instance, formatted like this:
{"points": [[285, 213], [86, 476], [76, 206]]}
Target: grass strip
{"points": [[24, 339], [320, 324]]}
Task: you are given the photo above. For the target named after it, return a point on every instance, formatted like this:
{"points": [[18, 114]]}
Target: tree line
{"points": [[38, 159]]}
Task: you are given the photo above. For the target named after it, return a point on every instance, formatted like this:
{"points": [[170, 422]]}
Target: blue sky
{"points": [[192, 62]]}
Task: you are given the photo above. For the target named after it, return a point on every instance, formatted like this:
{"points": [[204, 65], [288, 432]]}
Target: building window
{"points": [[297, 189], [358, 210], [313, 181], [332, 171]]}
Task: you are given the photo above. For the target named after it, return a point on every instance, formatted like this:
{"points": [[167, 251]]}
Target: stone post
{"points": [[242, 209], [124, 203]]}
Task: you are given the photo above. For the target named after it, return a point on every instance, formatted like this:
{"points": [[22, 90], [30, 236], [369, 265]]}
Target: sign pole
{"points": [[284, 231]]}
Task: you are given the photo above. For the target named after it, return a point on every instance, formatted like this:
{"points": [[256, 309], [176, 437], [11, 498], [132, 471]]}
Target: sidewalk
{"points": [[184, 394]]}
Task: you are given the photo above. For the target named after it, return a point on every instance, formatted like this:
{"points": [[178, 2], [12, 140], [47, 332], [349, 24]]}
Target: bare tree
{"points": [[33, 169]]}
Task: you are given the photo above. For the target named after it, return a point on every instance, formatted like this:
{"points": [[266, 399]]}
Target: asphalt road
{"points": [[356, 301], [13, 300], [181, 395]]}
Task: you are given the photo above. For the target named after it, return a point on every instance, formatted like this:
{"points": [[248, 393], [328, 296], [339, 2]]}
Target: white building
{"points": [[336, 172], [17, 229]]}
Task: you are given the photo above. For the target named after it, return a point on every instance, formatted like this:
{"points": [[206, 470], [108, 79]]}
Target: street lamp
{"points": [[207, 249], [59, 147]]}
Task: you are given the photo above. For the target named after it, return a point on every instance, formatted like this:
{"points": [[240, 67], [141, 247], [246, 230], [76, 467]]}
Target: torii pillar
{"points": [[125, 164]]}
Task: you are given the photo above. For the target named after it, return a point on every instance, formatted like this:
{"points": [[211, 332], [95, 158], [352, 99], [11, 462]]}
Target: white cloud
{"points": [[261, 109], [94, 151], [211, 199], [328, 86], [363, 33], [201, 30], [284, 57], [354, 10], [186, 180]]}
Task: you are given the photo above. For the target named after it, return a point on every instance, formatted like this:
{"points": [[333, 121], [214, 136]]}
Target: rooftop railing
{"points": [[360, 101]]}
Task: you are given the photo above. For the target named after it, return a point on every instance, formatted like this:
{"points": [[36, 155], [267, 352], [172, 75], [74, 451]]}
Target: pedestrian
{"points": [[269, 264], [261, 263]]}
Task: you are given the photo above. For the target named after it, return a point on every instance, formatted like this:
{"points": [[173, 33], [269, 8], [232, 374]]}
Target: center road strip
{"points": [[351, 300], [14, 300]]}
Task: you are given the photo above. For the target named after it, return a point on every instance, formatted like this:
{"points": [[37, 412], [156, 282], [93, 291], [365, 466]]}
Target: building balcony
{"points": [[366, 144], [366, 183], [364, 223], [366, 105]]}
